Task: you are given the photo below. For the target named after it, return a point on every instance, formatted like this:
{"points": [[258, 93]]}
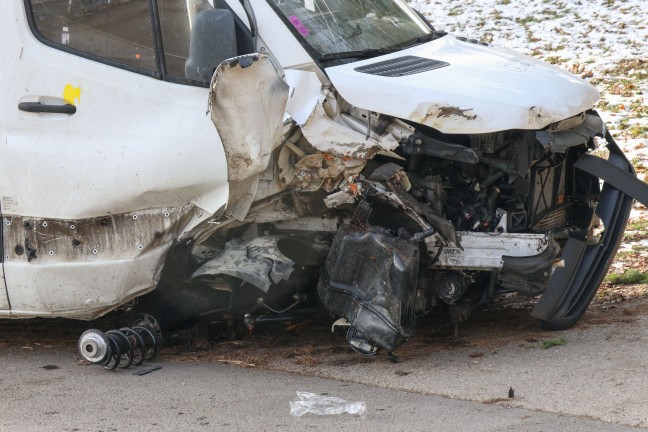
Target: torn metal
{"points": [[400, 218], [248, 122], [372, 185]]}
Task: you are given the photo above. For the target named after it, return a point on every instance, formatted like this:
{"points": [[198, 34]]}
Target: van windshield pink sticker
{"points": [[301, 28]]}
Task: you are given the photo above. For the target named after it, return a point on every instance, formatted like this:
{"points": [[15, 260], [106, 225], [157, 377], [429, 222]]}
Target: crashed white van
{"points": [[267, 159]]}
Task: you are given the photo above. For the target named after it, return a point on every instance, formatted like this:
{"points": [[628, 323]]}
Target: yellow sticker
{"points": [[72, 94]]}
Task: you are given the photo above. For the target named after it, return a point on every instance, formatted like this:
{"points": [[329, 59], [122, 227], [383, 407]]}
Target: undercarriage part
{"points": [[450, 287], [529, 275], [547, 194], [359, 343], [124, 347], [369, 278], [250, 321], [485, 251], [258, 262], [458, 314], [552, 220], [422, 235]]}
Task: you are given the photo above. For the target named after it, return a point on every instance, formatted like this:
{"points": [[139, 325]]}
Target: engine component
{"points": [[359, 343], [370, 279], [419, 144], [124, 347], [450, 287]]}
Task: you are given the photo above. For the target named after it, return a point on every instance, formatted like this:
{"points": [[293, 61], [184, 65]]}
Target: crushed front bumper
{"points": [[573, 286]]}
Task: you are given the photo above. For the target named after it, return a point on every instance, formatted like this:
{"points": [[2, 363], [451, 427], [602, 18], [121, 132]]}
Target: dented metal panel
{"points": [[305, 89], [247, 100], [135, 146], [327, 132], [116, 257], [484, 89]]}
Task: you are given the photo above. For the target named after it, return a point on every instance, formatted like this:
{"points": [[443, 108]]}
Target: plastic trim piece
{"points": [[37, 107], [402, 66], [572, 288]]}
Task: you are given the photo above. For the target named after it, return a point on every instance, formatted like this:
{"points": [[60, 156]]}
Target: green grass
{"points": [[629, 277], [526, 20], [634, 236], [456, 11], [638, 225], [633, 130], [625, 253], [554, 60], [638, 108], [638, 131], [609, 107], [550, 343]]}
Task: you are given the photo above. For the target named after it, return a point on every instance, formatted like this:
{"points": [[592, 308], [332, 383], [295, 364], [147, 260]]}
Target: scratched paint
{"points": [[118, 257], [71, 94]]}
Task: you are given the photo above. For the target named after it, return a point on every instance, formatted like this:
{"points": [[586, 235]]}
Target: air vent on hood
{"points": [[402, 66]]}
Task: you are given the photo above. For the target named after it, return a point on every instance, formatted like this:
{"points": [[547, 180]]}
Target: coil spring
{"points": [[122, 348]]}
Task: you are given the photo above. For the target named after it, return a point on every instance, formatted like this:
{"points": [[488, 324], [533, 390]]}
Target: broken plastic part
{"points": [[311, 403], [370, 279]]}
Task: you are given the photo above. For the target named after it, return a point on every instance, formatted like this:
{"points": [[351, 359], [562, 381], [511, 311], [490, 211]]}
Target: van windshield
{"points": [[335, 28]]}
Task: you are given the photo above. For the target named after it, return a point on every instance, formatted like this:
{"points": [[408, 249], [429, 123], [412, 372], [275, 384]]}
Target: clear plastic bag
{"points": [[324, 405]]}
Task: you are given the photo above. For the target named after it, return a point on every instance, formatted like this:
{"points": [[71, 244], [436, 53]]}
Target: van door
{"points": [[107, 157]]}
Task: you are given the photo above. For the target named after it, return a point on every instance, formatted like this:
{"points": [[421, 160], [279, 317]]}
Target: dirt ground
{"points": [[311, 344]]}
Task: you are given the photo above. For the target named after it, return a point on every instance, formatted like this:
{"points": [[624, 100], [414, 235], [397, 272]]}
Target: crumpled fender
{"points": [[247, 101]]}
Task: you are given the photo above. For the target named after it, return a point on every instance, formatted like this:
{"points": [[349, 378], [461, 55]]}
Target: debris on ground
{"points": [[311, 403]]}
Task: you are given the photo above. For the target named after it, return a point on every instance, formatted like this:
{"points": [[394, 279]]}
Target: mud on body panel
{"points": [[88, 266]]}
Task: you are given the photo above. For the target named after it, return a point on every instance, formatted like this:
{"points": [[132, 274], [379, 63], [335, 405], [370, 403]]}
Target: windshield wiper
{"points": [[419, 40], [366, 53]]}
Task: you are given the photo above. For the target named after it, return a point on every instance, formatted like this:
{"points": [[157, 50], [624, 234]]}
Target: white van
{"points": [[270, 158]]}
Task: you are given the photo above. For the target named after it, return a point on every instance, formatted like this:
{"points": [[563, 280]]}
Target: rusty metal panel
{"points": [[82, 268]]}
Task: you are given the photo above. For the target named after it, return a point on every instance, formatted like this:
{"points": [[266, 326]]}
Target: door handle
{"points": [[37, 107]]}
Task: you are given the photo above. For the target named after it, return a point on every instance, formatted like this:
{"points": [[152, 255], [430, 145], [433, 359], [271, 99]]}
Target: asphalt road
{"points": [[46, 389]]}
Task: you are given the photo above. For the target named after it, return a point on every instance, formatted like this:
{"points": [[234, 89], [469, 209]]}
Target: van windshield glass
{"points": [[333, 27]]}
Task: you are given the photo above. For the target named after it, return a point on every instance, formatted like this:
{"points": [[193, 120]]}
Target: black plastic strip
{"points": [[573, 287], [147, 371], [158, 45], [37, 107], [625, 181], [562, 277], [2, 263]]}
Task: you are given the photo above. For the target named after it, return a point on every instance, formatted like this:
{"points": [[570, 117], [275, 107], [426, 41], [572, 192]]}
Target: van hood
{"points": [[461, 87]]}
